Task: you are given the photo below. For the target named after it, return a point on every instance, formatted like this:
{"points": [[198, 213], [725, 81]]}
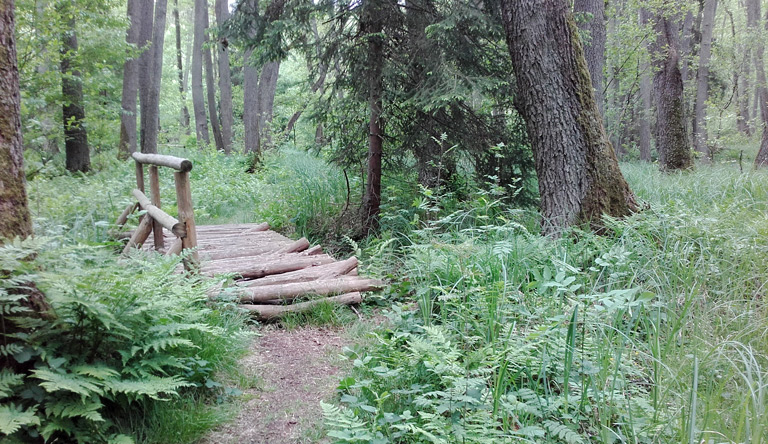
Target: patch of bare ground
{"points": [[296, 369]]}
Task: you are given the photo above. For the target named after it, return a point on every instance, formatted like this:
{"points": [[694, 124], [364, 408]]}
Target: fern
{"points": [[8, 381], [344, 425], [563, 432], [152, 387], [13, 417], [67, 382]]}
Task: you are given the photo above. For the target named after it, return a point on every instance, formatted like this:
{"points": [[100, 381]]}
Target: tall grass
{"points": [[652, 333]]}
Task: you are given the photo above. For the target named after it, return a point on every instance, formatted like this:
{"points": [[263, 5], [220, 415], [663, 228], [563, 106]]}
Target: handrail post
{"points": [[187, 217], [154, 188], [140, 176]]}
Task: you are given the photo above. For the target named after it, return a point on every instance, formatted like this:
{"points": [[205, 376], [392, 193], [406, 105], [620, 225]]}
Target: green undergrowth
{"points": [[652, 333], [123, 349]]}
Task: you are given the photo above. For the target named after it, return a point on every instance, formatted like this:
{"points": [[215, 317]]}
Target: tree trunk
{"points": [[265, 96], [198, 98], [744, 119], [130, 86], [702, 78], [150, 111], [753, 17], [73, 112], [644, 122], [225, 80], [251, 105], [686, 44], [14, 212], [594, 46], [671, 135], [146, 21], [579, 176], [180, 68], [372, 24], [210, 85]]}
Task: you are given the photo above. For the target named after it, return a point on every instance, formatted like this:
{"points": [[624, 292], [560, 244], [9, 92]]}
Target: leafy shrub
{"points": [[118, 338]]}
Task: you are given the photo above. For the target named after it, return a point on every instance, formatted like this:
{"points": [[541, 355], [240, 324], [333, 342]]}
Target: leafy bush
{"points": [[117, 339]]}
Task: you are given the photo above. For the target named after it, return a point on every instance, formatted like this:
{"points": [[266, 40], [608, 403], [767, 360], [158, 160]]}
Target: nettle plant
{"points": [[111, 337]]}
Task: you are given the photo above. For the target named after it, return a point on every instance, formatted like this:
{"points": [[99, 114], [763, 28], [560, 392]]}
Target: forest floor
{"points": [[296, 369]]}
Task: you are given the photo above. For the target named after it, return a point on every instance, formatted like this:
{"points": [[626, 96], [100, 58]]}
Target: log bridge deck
{"points": [[271, 270]]}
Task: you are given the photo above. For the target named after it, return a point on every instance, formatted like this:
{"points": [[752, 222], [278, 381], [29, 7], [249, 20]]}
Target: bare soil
{"points": [[296, 369]]}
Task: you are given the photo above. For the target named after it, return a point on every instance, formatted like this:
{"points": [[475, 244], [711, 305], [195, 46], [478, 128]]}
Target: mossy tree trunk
{"points": [[14, 212], [579, 176], [593, 25], [672, 141]]}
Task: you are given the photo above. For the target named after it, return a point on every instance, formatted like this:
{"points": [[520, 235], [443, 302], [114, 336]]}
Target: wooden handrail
{"points": [[166, 220], [177, 163]]}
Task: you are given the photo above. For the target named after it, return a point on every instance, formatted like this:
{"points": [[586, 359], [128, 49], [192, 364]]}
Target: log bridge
{"points": [[272, 271]]}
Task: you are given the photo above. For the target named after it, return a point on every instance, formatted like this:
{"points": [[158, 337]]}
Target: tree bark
{"points": [[73, 111], [372, 24], [180, 68], [594, 46], [146, 21], [265, 97], [210, 85], [671, 136], [198, 98], [150, 112], [579, 176], [644, 122], [225, 80], [251, 105], [14, 211], [128, 143], [753, 18], [702, 78]]}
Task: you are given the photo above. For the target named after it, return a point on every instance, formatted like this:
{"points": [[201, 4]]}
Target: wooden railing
{"points": [[155, 219]]}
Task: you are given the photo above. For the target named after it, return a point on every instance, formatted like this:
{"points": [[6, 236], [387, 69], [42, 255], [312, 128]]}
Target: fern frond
{"points": [[9, 380], [54, 382], [151, 386], [13, 417], [563, 432], [72, 408]]}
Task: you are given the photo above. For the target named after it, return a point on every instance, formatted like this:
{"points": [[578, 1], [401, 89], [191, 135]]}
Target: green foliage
{"points": [[652, 333], [117, 338]]}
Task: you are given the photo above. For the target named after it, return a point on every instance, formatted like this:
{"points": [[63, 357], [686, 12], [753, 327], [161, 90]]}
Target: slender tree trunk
{"points": [[686, 45], [180, 68], [198, 96], [753, 18], [210, 86], [266, 101], [150, 113], [702, 78], [225, 80], [594, 46], [130, 86], [146, 21], [744, 119], [579, 176], [671, 136], [14, 211], [251, 106], [75, 134], [372, 24], [644, 121]]}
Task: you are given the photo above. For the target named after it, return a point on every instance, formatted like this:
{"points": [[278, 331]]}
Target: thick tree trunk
{"points": [[644, 122], [753, 18], [594, 46], [198, 96], [702, 78], [73, 112], [14, 212], [372, 24], [579, 176], [210, 87], [180, 69], [128, 143], [265, 96], [150, 112], [225, 80], [671, 136]]}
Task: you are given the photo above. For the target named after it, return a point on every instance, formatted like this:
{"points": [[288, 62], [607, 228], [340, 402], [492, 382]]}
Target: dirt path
{"points": [[297, 369]]}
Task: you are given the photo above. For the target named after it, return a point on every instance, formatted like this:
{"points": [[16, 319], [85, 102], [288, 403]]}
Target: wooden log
{"points": [[177, 163], [239, 227], [345, 284], [123, 218], [187, 216], [332, 270], [140, 176], [218, 254], [280, 265], [260, 227], [154, 193], [269, 312], [317, 249], [139, 235], [165, 219], [176, 247], [298, 246], [352, 272]]}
